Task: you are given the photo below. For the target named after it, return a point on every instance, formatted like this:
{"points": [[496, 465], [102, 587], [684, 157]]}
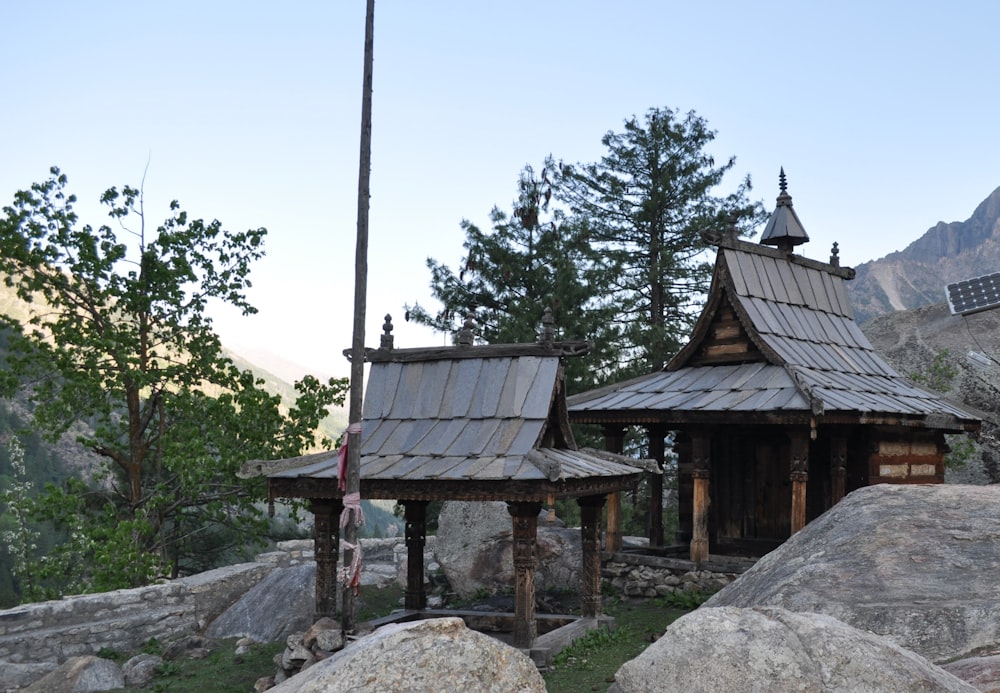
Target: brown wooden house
{"points": [[778, 404], [472, 423]]}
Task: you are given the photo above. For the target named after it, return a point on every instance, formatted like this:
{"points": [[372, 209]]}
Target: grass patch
{"points": [[222, 671], [590, 664]]}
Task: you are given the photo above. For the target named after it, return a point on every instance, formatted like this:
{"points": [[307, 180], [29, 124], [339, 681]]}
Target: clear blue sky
{"points": [[883, 114]]}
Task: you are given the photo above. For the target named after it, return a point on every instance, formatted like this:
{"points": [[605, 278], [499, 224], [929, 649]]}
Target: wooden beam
{"points": [[838, 468], [614, 441], [326, 546], [654, 522], [415, 515], [590, 537], [525, 525], [701, 456], [799, 451]]}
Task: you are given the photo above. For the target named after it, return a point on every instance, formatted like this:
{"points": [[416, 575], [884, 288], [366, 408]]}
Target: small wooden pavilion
{"points": [[472, 423], [778, 404]]}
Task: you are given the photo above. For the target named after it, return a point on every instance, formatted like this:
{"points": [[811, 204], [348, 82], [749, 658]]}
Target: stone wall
{"points": [[649, 582], [124, 620]]}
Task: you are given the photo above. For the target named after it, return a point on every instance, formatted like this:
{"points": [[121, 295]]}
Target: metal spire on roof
{"points": [[547, 334], [784, 229], [465, 336]]}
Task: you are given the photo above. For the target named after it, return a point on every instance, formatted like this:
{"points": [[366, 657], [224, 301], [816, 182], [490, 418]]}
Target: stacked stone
{"points": [[302, 650], [647, 582]]}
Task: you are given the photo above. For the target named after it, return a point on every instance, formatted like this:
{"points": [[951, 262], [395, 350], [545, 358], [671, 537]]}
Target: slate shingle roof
{"points": [[810, 357], [431, 417]]}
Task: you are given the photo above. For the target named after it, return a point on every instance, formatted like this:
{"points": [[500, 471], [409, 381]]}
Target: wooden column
{"points": [[525, 524], [654, 522], [701, 446], [838, 468], [614, 441], [415, 515], [326, 546], [590, 530], [799, 451]]}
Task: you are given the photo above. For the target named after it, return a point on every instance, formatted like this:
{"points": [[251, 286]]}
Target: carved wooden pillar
{"points": [[525, 521], [415, 515], [326, 546], [701, 447], [590, 529], [799, 451], [654, 522], [614, 441], [838, 468]]}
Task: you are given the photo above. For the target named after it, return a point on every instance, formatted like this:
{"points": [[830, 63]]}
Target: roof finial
{"points": [[784, 229], [548, 332], [386, 341], [465, 335], [835, 254]]}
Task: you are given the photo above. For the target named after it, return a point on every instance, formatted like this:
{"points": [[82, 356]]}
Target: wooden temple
{"points": [[472, 423], [778, 405]]}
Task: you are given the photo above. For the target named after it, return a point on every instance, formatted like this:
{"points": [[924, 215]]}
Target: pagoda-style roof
{"points": [[468, 422], [775, 343]]}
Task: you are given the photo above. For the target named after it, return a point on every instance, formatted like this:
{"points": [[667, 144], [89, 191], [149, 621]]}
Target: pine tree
{"points": [[532, 259], [645, 205]]}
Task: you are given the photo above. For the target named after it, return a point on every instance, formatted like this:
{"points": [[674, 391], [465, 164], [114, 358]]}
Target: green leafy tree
{"points": [[531, 259], [119, 336], [645, 205]]}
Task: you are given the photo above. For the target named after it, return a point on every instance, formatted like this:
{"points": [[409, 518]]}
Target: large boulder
{"points": [[474, 548], [778, 651], [982, 672], [279, 605], [917, 564], [439, 654], [87, 674], [17, 675]]}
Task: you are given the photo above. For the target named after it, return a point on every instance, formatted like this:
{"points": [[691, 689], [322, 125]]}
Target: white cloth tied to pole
{"points": [[351, 575], [342, 454]]}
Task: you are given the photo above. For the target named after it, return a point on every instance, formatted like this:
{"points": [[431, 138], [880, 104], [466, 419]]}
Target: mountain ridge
{"points": [[916, 276]]}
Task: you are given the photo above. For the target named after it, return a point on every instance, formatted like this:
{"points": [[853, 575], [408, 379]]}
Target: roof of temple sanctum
{"points": [[775, 343]]}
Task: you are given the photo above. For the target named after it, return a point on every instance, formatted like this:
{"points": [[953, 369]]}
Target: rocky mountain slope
{"points": [[900, 303], [916, 276]]}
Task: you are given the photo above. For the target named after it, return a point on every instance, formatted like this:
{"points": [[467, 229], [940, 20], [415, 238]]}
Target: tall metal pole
{"points": [[360, 288]]}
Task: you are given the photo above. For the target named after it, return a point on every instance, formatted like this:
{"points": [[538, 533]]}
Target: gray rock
{"points": [[982, 672], [771, 650], [139, 670], [279, 605], [917, 564], [326, 634], [15, 675], [86, 674], [474, 550], [188, 647], [440, 655]]}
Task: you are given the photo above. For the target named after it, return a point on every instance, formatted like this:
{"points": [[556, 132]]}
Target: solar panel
{"points": [[972, 295]]}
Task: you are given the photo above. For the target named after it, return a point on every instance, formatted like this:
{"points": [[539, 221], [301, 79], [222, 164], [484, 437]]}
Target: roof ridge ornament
{"points": [[386, 341], [465, 335], [784, 229], [547, 334]]}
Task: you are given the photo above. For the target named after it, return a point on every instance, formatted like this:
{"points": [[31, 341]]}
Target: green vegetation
{"points": [[590, 664], [222, 671], [614, 248], [114, 334], [939, 375]]}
